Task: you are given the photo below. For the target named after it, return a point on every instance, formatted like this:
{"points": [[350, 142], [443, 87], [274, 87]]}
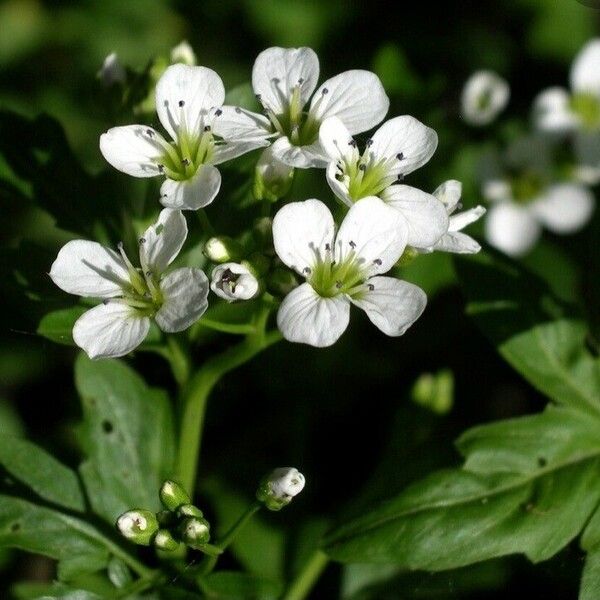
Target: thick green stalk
{"points": [[308, 576]]}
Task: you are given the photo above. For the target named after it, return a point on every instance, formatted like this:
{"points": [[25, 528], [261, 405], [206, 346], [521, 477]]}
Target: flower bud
{"points": [[138, 526], [194, 531], [112, 71], [484, 97], [278, 488], [172, 495], [272, 178], [189, 510], [183, 53], [233, 281], [164, 540], [222, 249]]}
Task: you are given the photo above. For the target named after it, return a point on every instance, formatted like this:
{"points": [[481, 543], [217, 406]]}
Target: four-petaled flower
{"points": [[342, 269], [131, 297], [400, 146], [189, 105], [284, 80]]}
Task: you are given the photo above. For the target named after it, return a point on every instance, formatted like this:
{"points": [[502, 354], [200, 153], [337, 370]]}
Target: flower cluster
{"points": [[303, 125]]}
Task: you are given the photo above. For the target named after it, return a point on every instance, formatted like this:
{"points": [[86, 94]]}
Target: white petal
{"points": [[301, 157], [338, 187], [246, 284], [275, 175], [484, 97], [110, 330], [300, 232], [585, 71], [565, 208], [376, 232], [461, 220], [89, 269], [194, 193], [198, 88], [277, 71], [356, 97], [425, 215], [496, 190], [457, 243], [449, 193], [511, 228], [184, 299], [551, 111], [232, 149], [163, 240], [392, 305], [406, 139], [133, 149], [235, 123], [336, 140], [307, 318]]}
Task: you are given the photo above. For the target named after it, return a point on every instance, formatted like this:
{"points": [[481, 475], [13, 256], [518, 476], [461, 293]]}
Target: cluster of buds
{"points": [[279, 487], [180, 523]]}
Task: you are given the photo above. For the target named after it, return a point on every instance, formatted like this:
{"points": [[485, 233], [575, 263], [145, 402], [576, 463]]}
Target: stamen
{"points": [[181, 103], [400, 156], [352, 244], [307, 270], [400, 177], [142, 240], [219, 112], [207, 128], [377, 262], [370, 287], [149, 133], [369, 143], [324, 91], [338, 285]]}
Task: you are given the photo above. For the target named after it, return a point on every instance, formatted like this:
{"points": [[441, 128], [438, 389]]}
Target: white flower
{"points": [[284, 80], [286, 483], [514, 225], [131, 297], [454, 240], [112, 71], [189, 106], [138, 526], [484, 97], [183, 53], [233, 281], [343, 269], [400, 146]]}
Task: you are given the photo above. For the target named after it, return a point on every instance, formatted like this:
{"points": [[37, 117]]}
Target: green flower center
{"points": [[587, 107], [182, 159]]}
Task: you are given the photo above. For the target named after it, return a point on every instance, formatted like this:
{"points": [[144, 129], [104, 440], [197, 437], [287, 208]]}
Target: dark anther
{"points": [[148, 273], [325, 91], [218, 112], [238, 110], [400, 155], [370, 287], [339, 176], [275, 80], [327, 247], [149, 132], [120, 245], [105, 302], [258, 97], [207, 128], [228, 275], [400, 177], [161, 168], [352, 143], [142, 240], [377, 262], [369, 142], [306, 270], [338, 285], [352, 244], [362, 167], [301, 81], [181, 103], [185, 161]]}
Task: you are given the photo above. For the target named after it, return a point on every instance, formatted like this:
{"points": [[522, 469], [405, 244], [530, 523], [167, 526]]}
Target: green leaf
{"points": [[41, 472], [528, 486], [590, 582], [243, 95], [233, 585], [128, 434], [57, 326], [533, 330], [50, 591]]}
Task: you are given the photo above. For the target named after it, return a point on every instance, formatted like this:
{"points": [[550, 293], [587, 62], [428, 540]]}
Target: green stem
{"points": [[306, 579], [196, 392], [179, 360]]}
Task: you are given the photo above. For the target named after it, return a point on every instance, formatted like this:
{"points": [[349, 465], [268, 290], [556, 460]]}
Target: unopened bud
{"points": [[407, 257], [112, 71], [233, 281], [272, 178], [164, 540], [194, 531], [278, 488], [222, 249], [183, 53], [138, 526], [172, 495], [189, 510]]}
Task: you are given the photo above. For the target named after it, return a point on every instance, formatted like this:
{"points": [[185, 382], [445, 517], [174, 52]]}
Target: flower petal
{"points": [[484, 96], [457, 243], [449, 193], [356, 97], [132, 149], [235, 123], [407, 140], [374, 231], [232, 149], [551, 111], [245, 283], [300, 232], [301, 157], [307, 318], [511, 228], [565, 208], [392, 305], [110, 330], [185, 293], [277, 71], [338, 186], [185, 94], [194, 193], [336, 140], [163, 240], [585, 71], [425, 215], [89, 269], [461, 220]]}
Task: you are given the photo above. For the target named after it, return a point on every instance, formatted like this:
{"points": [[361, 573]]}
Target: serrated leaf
{"points": [[41, 472], [128, 434], [233, 585]]}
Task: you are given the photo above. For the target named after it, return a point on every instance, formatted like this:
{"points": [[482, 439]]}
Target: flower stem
{"points": [[308, 576], [195, 395]]}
